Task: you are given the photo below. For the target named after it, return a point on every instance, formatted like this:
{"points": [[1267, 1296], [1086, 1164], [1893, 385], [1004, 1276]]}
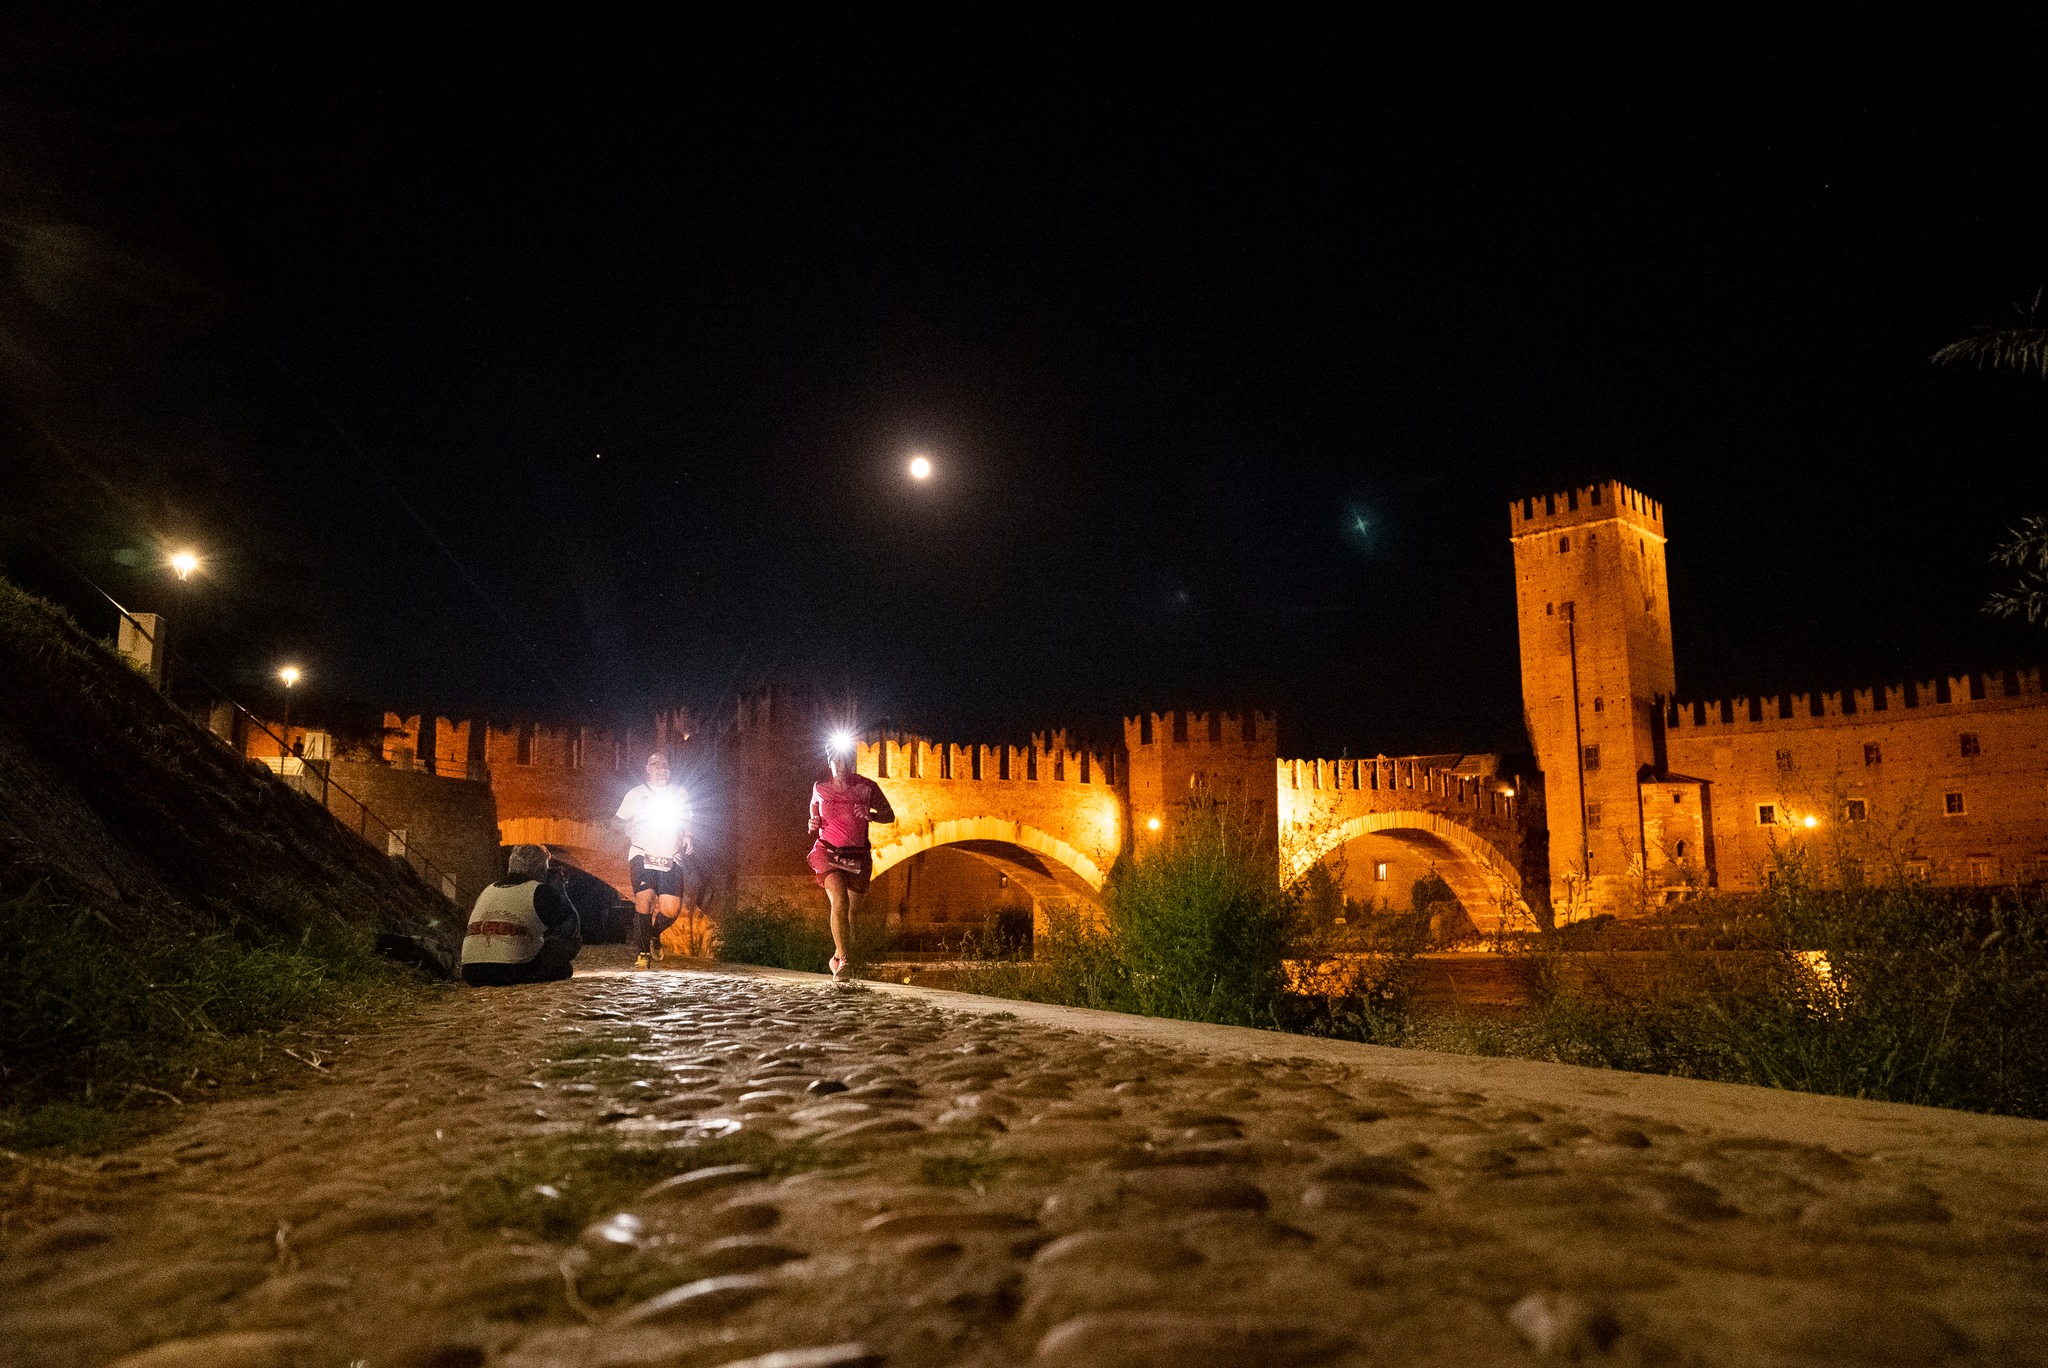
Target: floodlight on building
{"points": [[920, 467], [184, 562], [1810, 821], [1151, 824]]}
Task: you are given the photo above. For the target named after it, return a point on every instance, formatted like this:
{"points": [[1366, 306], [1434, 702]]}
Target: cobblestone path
{"points": [[711, 1168]]}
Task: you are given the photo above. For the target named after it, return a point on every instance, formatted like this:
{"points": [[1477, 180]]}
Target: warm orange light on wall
{"points": [[1151, 824]]}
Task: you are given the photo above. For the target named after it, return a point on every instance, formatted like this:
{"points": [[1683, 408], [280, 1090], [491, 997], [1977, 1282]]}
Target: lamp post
{"points": [[290, 675]]}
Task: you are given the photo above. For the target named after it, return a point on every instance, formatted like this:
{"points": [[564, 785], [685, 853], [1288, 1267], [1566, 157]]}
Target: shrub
{"points": [[777, 934], [1898, 992]]}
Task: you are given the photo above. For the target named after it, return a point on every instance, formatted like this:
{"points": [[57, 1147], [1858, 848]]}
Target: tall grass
{"points": [[96, 1022], [1900, 992], [1194, 927]]}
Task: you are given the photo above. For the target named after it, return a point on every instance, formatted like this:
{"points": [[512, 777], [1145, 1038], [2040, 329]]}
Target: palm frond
{"points": [[2020, 349]]}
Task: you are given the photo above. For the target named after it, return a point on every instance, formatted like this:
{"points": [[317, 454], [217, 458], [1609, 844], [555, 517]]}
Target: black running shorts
{"points": [[667, 882]]}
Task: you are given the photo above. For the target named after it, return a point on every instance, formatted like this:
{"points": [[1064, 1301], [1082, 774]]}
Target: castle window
{"points": [[1589, 540], [1550, 610], [1983, 870], [1678, 851], [1677, 798], [1599, 705], [576, 749], [1564, 544], [1969, 740], [1952, 804], [1766, 814], [1592, 757], [1784, 759], [1855, 812], [1872, 755], [1379, 871], [1592, 816], [1198, 781], [526, 736]]}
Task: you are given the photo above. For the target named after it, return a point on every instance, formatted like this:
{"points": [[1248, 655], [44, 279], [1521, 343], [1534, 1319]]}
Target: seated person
{"points": [[523, 929]]}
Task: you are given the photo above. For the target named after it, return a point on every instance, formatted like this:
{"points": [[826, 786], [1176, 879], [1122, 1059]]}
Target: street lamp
{"points": [[920, 467], [184, 562], [290, 675]]}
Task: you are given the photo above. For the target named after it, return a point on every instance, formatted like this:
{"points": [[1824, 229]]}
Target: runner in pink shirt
{"points": [[841, 808]]}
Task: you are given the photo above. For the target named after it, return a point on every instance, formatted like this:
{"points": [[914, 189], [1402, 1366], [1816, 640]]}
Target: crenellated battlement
{"points": [[1181, 727], [1466, 781], [1787, 711], [1572, 507], [1048, 759]]}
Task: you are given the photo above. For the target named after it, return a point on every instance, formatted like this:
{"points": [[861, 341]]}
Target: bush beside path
{"points": [[688, 1167]]}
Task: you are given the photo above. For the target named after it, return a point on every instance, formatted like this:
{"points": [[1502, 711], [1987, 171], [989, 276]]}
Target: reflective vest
{"points": [[503, 926]]}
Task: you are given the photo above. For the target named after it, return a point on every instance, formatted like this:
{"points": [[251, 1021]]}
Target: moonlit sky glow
{"points": [[532, 381]]}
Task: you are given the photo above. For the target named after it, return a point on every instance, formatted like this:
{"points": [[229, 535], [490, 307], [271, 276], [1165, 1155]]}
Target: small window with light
{"points": [[1952, 804], [1379, 871], [1969, 740], [1766, 814], [1593, 815], [1854, 811], [1592, 757], [1871, 754]]}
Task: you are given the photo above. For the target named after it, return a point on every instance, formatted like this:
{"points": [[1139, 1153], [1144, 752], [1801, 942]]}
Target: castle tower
{"points": [[1178, 760], [1593, 608]]}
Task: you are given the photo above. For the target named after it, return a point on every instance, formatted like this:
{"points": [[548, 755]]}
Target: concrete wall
{"points": [[453, 822]]}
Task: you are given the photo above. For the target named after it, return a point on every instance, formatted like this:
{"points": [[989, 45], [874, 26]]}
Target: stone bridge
{"points": [[1457, 813], [1054, 818]]}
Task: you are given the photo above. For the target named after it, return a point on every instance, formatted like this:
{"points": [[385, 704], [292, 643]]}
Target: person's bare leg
{"points": [[836, 892], [853, 897], [671, 907]]}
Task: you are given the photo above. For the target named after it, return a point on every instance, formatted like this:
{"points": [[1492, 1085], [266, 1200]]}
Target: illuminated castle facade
{"points": [[1650, 794]]}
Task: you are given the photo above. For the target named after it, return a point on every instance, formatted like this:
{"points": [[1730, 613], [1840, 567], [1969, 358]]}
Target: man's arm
{"points": [[878, 808], [555, 910]]}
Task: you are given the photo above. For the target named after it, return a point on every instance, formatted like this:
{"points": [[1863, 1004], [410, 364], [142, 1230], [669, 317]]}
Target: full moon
{"points": [[920, 468]]}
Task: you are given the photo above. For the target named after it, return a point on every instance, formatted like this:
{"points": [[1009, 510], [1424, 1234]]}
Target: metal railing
{"points": [[347, 810]]}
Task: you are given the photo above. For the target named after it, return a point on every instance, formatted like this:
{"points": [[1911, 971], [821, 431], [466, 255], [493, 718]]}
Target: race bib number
{"points": [[663, 863]]}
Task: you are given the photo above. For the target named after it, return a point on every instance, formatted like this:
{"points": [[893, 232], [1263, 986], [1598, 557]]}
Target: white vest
{"points": [[503, 927]]}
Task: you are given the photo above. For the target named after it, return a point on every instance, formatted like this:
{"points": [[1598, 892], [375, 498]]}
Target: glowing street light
{"points": [[1151, 824], [184, 562], [920, 467], [1810, 822], [290, 675]]}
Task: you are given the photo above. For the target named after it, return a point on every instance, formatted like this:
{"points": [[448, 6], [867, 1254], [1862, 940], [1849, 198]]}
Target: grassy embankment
{"points": [[1898, 992], [173, 921]]}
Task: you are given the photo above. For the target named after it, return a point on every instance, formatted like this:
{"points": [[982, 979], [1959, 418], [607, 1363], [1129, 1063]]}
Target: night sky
{"points": [[557, 370]]}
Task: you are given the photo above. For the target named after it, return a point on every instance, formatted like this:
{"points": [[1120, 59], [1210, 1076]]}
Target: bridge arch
{"points": [[956, 830], [1482, 875]]}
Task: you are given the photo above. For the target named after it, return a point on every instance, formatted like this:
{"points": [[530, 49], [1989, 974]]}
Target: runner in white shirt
{"points": [[656, 816]]}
